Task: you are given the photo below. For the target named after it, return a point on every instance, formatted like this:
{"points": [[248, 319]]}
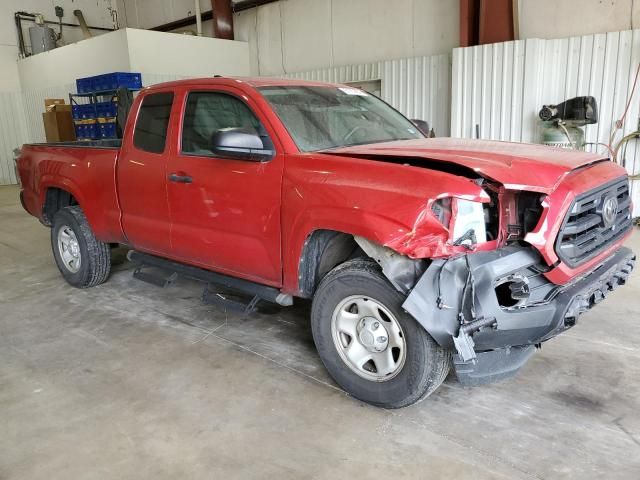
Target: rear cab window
{"points": [[150, 133]]}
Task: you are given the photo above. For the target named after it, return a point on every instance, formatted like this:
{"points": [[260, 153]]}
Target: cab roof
{"points": [[254, 82]]}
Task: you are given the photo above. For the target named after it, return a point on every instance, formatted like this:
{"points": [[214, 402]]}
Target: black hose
{"points": [[31, 18], [23, 52]]}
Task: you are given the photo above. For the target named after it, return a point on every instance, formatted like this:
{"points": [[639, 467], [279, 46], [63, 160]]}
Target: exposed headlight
{"points": [[467, 216]]}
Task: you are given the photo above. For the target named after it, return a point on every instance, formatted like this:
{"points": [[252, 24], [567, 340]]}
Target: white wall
{"points": [[97, 13], [133, 50], [166, 53], [300, 35], [61, 66], [568, 18], [297, 35]]}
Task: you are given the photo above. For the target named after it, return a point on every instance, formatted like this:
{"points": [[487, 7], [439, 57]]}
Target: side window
{"points": [[150, 133], [208, 112]]}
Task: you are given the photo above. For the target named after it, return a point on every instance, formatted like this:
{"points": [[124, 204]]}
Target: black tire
{"points": [[95, 255], [426, 363]]}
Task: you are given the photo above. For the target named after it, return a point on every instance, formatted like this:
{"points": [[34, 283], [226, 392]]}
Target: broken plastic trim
{"points": [[463, 341], [401, 271], [549, 310]]}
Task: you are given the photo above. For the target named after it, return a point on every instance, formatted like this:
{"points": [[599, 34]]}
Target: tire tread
{"points": [[99, 253], [439, 359]]}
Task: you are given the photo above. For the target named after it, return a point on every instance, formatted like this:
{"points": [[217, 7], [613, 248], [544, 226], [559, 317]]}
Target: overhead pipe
{"points": [[198, 18], [30, 17], [222, 19], [208, 15], [248, 4], [83, 24]]}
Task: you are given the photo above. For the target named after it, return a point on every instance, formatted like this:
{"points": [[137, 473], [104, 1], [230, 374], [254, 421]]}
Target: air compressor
{"points": [[561, 123]]}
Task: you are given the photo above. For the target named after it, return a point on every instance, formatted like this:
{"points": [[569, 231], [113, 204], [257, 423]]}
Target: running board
{"points": [[153, 279], [255, 290], [222, 300]]}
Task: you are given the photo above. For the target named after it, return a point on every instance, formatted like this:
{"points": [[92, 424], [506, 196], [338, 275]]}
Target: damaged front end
{"points": [[494, 307], [487, 293]]}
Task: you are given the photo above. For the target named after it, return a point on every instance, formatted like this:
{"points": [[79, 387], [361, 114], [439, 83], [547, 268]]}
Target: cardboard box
{"points": [[58, 125], [51, 104]]}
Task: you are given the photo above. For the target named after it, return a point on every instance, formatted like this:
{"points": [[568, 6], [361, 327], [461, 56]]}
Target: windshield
{"points": [[319, 118]]}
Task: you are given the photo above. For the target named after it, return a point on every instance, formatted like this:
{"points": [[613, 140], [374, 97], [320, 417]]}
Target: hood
{"points": [[517, 166]]}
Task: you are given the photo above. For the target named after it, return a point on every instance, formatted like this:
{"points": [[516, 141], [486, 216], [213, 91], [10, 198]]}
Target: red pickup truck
{"points": [[419, 253]]}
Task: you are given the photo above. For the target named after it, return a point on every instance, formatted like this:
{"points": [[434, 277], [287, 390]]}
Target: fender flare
{"points": [[96, 221]]}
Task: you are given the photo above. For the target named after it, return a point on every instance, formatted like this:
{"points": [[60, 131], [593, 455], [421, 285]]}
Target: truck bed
{"points": [[84, 169], [111, 143]]}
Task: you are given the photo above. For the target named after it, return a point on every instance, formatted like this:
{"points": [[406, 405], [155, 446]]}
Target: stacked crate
{"points": [[97, 118]]}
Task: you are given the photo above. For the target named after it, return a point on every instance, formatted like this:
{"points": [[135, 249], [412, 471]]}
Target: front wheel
{"points": [[83, 260], [371, 347]]}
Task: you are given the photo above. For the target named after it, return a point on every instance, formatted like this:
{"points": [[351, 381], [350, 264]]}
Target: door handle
{"points": [[174, 177]]}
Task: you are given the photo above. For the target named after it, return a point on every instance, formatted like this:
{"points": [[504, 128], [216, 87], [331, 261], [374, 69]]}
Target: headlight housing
{"points": [[469, 216], [461, 217]]}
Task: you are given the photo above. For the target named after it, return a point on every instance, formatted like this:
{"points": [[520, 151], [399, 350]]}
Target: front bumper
{"points": [[465, 291]]}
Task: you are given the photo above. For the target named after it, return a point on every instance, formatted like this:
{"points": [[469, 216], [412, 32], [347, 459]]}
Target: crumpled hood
{"points": [[518, 166]]}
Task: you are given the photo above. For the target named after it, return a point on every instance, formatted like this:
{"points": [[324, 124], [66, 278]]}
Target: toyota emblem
{"points": [[609, 211]]}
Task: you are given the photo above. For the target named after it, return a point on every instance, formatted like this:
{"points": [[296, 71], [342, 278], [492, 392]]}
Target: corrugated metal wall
{"points": [[12, 134], [498, 89], [420, 87]]}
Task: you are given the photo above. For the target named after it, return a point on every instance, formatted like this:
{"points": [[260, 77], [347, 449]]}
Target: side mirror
{"points": [[241, 144], [422, 125]]}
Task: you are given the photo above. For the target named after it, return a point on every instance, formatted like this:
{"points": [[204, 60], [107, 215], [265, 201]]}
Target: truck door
{"points": [[142, 178], [225, 213]]}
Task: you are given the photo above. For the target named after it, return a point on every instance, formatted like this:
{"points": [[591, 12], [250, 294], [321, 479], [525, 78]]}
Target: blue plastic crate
{"points": [[85, 85], [115, 80], [106, 109], [88, 111], [83, 131], [109, 81], [82, 111], [76, 112], [87, 130], [108, 130]]}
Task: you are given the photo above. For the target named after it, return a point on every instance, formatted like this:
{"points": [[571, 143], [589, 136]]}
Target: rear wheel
{"points": [[83, 260], [369, 344]]}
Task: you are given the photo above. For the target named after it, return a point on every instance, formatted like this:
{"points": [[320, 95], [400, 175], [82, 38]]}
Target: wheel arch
{"points": [[325, 249], [55, 199], [322, 251], [55, 194]]}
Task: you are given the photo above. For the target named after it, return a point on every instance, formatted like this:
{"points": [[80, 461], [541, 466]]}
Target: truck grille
{"points": [[595, 220]]}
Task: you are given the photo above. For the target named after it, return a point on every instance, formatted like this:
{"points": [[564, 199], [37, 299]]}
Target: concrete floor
{"points": [[127, 380]]}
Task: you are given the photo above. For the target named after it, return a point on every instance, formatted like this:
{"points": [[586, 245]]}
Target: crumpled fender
{"points": [[386, 204], [428, 238]]}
